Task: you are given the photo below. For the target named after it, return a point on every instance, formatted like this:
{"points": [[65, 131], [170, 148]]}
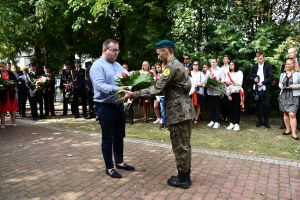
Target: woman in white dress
{"points": [[234, 82], [198, 80]]}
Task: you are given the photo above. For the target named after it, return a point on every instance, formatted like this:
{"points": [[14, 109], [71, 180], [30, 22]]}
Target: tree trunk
{"points": [[38, 56]]}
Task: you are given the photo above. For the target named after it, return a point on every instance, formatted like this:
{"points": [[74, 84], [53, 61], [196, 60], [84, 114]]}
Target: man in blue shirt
{"points": [[110, 111]]}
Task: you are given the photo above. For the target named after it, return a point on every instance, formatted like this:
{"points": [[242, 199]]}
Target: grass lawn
{"points": [[250, 140]]}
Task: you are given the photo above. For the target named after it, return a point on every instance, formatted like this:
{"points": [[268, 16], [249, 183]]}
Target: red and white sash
{"points": [[242, 94]]}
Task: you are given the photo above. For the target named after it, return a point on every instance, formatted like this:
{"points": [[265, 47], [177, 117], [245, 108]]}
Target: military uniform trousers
{"points": [[91, 105], [80, 93], [180, 134], [66, 101]]}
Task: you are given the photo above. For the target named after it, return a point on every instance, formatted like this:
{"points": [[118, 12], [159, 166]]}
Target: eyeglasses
{"points": [[114, 50]]}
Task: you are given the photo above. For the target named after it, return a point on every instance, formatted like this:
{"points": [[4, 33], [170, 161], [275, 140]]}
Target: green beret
{"points": [[165, 44]]}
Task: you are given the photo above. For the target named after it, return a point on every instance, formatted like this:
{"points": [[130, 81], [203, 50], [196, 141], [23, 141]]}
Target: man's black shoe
{"points": [[162, 126], [114, 173], [174, 181], [125, 167], [76, 116], [189, 179], [267, 126], [258, 124], [90, 116]]}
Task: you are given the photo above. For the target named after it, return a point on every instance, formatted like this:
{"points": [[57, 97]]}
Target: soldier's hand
{"points": [[128, 95]]}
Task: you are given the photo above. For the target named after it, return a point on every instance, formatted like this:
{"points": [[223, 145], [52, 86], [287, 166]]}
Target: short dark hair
{"points": [[108, 41], [260, 53], [196, 61], [157, 63], [236, 66], [227, 56], [213, 58]]}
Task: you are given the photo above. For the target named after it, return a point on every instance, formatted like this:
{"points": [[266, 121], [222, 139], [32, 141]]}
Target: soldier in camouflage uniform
{"points": [[175, 85]]}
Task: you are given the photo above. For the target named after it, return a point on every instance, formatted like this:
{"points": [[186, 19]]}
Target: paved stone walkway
{"points": [[39, 162]]}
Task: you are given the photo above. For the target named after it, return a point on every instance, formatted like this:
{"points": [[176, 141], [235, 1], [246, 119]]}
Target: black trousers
{"points": [[75, 103], [214, 102], [234, 109], [112, 122], [36, 98], [263, 108], [65, 103], [22, 99], [224, 108], [49, 102], [90, 102]]}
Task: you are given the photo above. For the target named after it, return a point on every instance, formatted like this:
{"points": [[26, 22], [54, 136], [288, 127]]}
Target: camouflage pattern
{"points": [[175, 85], [180, 134]]}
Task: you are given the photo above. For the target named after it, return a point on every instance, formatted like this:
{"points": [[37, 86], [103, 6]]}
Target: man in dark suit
{"points": [[36, 95], [79, 90], [66, 86], [260, 77], [49, 92], [23, 92], [90, 91]]}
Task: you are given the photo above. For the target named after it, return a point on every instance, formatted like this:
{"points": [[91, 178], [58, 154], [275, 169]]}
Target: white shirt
{"points": [[198, 77], [217, 74], [237, 78], [260, 73], [224, 70]]}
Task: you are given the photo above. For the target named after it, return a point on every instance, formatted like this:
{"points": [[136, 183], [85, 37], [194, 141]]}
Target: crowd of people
{"points": [[181, 93], [77, 89]]}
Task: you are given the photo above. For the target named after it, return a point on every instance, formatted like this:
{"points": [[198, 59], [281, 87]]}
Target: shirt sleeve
{"points": [[159, 86], [97, 75]]}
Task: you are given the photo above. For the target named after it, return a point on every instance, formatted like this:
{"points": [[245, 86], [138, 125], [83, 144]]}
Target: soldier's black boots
{"points": [[183, 180]]}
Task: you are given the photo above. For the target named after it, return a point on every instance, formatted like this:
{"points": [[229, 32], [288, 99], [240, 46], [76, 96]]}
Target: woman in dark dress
{"points": [[289, 83], [8, 98]]}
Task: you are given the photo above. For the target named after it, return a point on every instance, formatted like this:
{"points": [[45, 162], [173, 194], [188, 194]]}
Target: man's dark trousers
{"points": [[112, 122], [263, 108]]}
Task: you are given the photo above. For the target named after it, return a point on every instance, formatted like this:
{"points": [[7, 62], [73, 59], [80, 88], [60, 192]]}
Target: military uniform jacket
{"points": [[51, 85], [89, 84], [79, 79], [65, 78], [175, 85]]}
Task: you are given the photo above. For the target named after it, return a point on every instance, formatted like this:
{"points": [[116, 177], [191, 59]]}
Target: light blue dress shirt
{"points": [[103, 75]]}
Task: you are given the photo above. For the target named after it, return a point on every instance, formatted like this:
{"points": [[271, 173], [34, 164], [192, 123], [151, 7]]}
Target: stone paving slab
{"points": [[39, 162]]}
